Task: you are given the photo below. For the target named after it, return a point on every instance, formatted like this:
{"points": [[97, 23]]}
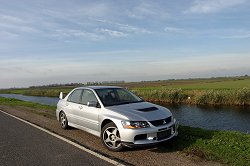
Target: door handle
{"points": [[80, 107], [67, 104]]}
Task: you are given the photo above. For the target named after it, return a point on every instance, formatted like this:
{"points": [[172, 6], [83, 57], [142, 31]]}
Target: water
{"points": [[36, 99], [216, 118]]}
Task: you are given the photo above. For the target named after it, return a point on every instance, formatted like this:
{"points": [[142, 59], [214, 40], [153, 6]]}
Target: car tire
{"points": [[63, 120], [110, 137]]}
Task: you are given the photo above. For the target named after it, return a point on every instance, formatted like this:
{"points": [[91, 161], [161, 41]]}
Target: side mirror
{"points": [[92, 104], [61, 95], [141, 98]]}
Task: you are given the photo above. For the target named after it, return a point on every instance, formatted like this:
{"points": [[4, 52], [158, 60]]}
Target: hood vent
{"points": [[147, 109]]}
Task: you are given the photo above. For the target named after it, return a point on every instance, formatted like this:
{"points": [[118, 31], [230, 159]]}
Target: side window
{"points": [[75, 96], [87, 96]]}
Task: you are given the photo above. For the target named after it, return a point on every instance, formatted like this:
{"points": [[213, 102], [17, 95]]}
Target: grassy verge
{"points": [[44, 110], [226, 147], [49, 92]]}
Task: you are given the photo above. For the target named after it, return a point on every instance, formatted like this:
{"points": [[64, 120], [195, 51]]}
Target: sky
{"points": [[49, 41]]}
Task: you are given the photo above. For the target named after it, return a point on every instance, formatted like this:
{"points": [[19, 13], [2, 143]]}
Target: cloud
{"points": [[12, 19], [124, 27], [73, 33], [233, 34], [212, 6], [242, 36], [146, 10], [14, 26], [112, 33], [8, 35], [69, 23], [174, 30], [93, 10], [132, 29]]}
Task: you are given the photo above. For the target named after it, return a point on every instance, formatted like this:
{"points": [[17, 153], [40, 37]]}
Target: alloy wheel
{"points": [[111, 137]]}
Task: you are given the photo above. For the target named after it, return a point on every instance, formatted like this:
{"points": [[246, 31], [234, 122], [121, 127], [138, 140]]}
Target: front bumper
{"points": [[149, 136]]}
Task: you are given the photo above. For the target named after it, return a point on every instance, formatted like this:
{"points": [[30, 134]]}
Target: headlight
{"points": [[134, 124]]}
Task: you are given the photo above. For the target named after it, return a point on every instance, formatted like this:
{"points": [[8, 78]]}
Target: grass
{"points": [[227, 147], [220, 85], [50, 92], [214, 91], [194, 84], [45, 110]]}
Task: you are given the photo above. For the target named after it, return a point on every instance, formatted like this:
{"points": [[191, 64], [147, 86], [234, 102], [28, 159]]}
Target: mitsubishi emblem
{"points": [[164, 122]]}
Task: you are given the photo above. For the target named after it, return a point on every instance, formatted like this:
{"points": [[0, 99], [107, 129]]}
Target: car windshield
{"points": [[117, 96]]}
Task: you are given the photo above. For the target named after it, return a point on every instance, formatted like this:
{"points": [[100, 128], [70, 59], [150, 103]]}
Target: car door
{"points": [[73, 106], [89, 114]]}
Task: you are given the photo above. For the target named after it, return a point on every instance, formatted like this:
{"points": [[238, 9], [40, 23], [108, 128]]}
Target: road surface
{"points": [[22, 144]]}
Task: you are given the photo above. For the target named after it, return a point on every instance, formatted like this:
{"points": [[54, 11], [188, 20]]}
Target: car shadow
{"points": [[72, 128], [186, 138]]}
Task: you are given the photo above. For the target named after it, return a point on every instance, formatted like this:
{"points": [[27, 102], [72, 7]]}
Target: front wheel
{"points": [[63, 120], [110, 137]]}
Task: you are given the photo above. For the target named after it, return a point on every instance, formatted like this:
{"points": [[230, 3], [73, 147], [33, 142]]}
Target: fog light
{"points": [[151, 138]]}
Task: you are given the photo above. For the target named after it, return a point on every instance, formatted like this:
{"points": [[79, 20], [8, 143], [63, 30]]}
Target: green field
{"points": [[213, 91], [194, 84], [226, 147]]}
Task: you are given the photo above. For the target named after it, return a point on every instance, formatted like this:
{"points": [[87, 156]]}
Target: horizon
{"points": [[52, 42], [125, 82]]}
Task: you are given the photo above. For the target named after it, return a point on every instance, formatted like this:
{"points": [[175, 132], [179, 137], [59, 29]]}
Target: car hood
{"points": [[142, 111]]}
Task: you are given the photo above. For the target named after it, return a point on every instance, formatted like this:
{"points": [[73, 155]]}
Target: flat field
{"points": [[212, 91], [194, 84]]}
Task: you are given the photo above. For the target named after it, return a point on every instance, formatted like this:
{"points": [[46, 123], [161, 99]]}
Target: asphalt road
{"points": [[22, 144]]}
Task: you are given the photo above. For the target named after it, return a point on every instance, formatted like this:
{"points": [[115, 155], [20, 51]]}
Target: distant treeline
{"points": [[79, 84], [57, 85], [105, 82]]}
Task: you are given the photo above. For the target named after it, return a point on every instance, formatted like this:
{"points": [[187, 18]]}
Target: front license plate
{"points": [[164, 134]]}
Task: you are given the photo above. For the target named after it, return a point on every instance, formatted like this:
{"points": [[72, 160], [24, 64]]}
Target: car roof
{"points": [[99, 87]]}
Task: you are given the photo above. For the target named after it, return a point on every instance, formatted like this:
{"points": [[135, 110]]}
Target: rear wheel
{"points": [[63, 120], [110, 137]]}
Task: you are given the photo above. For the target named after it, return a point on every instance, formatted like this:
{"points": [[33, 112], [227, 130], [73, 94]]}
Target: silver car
{"points": [[116, 115]]}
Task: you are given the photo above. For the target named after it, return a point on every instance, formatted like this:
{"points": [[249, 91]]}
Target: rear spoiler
{"points": [[61, 95]]}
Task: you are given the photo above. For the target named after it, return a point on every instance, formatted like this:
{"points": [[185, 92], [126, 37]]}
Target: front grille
{"points": [[163, 134], [161, 121]]}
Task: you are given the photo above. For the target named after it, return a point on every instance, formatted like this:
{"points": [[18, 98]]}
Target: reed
{"points": [[199, 97]]}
